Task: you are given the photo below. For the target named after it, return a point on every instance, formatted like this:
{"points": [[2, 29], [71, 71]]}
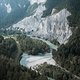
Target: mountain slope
{"points": [[52, 27], [72, 6], [12, 11]]}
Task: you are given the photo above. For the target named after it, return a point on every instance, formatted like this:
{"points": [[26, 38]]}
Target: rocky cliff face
{"points": [[54, 26]]}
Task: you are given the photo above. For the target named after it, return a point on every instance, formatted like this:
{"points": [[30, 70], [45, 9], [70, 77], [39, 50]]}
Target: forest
{"points": [[32, 46]]}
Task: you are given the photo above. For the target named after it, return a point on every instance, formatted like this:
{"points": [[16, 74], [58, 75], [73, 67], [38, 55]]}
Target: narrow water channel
{"points": [[34, 61]]}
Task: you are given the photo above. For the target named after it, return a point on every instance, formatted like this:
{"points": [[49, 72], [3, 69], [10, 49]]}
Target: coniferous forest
{"points": [[17, 41]]}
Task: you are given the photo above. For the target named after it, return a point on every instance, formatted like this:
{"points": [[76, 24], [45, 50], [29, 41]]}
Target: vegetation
{"points": [[32, 46], [50, 4], [9, 70], [68, 55], [74, 7], [8, 47], [55, 42], [55, 72]]}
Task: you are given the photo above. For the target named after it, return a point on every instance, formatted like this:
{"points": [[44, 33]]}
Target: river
{"points": [[34, 61]]}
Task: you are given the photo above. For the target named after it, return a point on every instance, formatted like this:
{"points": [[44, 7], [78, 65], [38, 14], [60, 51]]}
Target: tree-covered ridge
{"points": [[9, 70], [73, 6], [32, 46], [50, 4], [56, 72], [8, 47], [68, 55]]}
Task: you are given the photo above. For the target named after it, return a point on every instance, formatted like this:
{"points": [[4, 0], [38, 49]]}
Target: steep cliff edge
{"points": [[54, 26]]}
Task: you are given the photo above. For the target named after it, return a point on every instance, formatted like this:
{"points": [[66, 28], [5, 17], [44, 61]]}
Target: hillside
{"points": [[46, 31]]}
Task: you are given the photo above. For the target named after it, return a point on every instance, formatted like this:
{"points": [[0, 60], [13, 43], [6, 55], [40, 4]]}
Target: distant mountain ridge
{"points": [[17, 10], [12, 11]]}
